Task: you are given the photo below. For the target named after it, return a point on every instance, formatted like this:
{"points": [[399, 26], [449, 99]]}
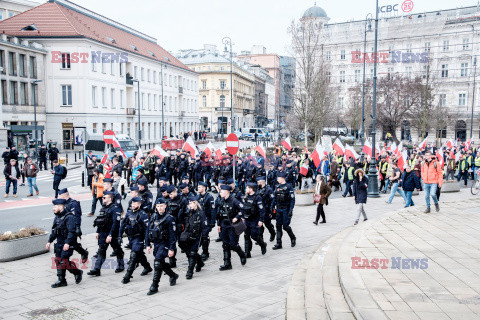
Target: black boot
{"points": [[262, 245], [205, 256], [120, 262], [248, 248], [218, 239], [279, 240], [98, 264], [78, 276], [62, 282], [241, 254], [169, 272], [83, 253], [191, 265], [173, 260], [200, 263], [205, 245], [157, 266], [132, 264], [293, 239], [227, 263], [94, 272]]}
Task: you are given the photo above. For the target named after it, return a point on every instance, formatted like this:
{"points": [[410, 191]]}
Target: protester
{"points": [[97, 190], [432, 177], [324, 190], [12, 174], [360, 187], [396, 180], [409, 183]]}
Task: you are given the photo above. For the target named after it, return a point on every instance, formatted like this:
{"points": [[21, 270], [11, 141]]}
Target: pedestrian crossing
{"points": [[72, 176]]}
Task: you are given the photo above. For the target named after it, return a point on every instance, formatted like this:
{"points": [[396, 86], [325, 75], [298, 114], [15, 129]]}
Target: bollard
{"points": [[66, 159], [83, 179], [75, 157]]}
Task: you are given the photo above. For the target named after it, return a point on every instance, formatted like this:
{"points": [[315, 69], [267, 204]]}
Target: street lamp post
{"points": [[367, 20], [222, 107], [372, 172], [35, 82], [163, 104], [474, 58], [228, 41], [139, 124]]}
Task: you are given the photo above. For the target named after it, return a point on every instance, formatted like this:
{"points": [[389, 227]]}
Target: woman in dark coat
{"points": [[360, 187], [410, 182], [322, 188]]}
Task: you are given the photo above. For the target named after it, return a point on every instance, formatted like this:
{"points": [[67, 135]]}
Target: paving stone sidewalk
{"points": [[449, 287]]}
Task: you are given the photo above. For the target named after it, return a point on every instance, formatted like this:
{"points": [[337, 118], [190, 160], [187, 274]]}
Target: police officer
{"points": [[73, 206], [235, 190], [197, 171], [146, 195], [267, 196], [207, 203], [63, 230], [42, 157], [190, 238], [254, 213], [176, 207], [185, 190], [229, 210], [208, 173], [117, 197], [272, 177], [283, 202], [108, 224], [135, 225], [161, 232]]}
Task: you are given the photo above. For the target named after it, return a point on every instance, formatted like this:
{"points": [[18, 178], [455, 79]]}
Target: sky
{"points": [[189, 24]]}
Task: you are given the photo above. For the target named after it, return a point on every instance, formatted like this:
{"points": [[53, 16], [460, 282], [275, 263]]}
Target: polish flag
{"points": [[260, 150], [423, 144], [350, 152], [392, 147], [338, 147], [304, 170], [286, 143], [367, 147], [190, 147], [468, 143], [104, 159], [317, 155], [116, 144], [139, 154], [449, 143], [219, 152], [401, 160], [440, 157], [159, 152], [209, 149]]}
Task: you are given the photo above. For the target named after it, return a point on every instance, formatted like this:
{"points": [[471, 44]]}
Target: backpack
{"points": [[64, 173]]}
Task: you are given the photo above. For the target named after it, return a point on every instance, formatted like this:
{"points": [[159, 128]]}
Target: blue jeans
{"points": [[408, 195], [7, 186], [387, 181], [430, 190], [32, 182], [394, 190], [348, 187]]}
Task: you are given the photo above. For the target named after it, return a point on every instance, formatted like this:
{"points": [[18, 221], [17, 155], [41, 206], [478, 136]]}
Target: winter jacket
{"points": [[410, 181], [97, 187], [8, 171], [324, 190], [432, 172], [30, 170], [360, 188]]}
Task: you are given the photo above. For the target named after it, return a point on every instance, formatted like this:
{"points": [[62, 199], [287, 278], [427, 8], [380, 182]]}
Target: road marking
{"points": [[48, 218]]}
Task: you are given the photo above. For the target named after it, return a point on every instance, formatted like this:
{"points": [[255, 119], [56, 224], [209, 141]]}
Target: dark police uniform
{"points": [[161, 232], [108, 224], [253, 212], [73, 206], [208, 205], [197, 172], [284, 202], [135, 225], [267, 195], [42, 155], [227, 210], [147, 200], [63, 230], [176, 208]]}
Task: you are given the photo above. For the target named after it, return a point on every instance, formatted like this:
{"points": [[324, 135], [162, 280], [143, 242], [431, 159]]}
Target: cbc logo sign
{"points": [[406, 6]]}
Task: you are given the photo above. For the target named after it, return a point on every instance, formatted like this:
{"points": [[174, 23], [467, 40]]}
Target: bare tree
{"points": [[353, 112]]}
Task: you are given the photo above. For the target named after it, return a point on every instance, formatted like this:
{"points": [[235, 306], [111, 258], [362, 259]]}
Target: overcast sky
{"points": [[188, 24]]}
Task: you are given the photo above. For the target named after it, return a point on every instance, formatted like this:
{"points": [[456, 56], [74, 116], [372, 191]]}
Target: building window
{"points": [[154, 101], [463, 69], [462, 99], [342, 54], [390, 49], [104, 127], [409, 48], [442, 100], [328, 76], [143, 101], [342, 76], [94, 65], [328, 55], [427, 47], [121, 99], [204, 84], [104, 97], [33, 67], [13, 93], [120, 68], [23, 93], [66, 95], [104, 68], [4, 92], [135, 72], [170, 80], [22, 65], [466, 44], [94, 127], [142, 74], [340, 102], [155, 77], [12, 63], [446, 45], [148, 75], [222, 84], [112, 98], [408, 72], [444, 70], [65, 61], [148, 101], [94, 96], [136, 99], [222, 101], [357, 75], [204, 101], [112, 68], [170, 102]]}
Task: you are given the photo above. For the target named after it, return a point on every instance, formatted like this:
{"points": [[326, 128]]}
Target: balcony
{"points": [[131, 111], [180, 90], [181, 114]]}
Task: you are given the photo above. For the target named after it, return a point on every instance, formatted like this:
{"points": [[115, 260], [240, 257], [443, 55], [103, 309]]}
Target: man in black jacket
{"points": [[6, 156], [58, 174], [12, 174], [53, 151], [42, 157]]}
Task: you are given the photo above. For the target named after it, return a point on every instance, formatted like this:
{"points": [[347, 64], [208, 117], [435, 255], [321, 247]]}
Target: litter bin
{"points": [[62, 160]]}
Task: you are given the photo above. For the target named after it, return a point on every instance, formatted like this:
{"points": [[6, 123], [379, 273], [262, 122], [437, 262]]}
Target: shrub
{"points": [[23, 233]]}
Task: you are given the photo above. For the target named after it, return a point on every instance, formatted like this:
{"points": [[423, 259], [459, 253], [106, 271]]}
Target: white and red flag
{"points": [[304, 169], [139, 154], [260, 150], [209, 149], [338, 147], [104, 159], [116, 144], [468, 143], [159, 152], [286, 143], [440, 157], [219, 152], [350, 152], [189, 146], [423, 144], [317, 155]]}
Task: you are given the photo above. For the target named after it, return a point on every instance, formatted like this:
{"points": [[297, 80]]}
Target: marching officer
{"points": [[108, 225], [63, 230], [146, 195], [190, 239], [229, 210], [283, 202], [135, 224], [208, 205], [161, 232], [117, 197], [74, 207], [267, 196], [197, 171], [176, 208], [254, 213]]}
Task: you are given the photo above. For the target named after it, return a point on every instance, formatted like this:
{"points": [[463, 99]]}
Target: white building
{"points": [[9, 8], [88, 59], [450, 38], [270, 93]]}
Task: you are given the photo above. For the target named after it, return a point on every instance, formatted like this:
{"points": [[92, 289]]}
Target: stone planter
{"points": [[451, 186], [23, 248], [304, 199]]}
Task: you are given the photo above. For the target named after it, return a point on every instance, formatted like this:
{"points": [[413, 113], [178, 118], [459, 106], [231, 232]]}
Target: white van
{"points": [[98, 147]]}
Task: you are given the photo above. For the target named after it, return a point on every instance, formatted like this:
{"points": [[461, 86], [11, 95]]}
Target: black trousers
{"points": [[320, 212]]}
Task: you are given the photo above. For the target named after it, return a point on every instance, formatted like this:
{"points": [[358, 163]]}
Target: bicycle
{"points": [[475, 188]]}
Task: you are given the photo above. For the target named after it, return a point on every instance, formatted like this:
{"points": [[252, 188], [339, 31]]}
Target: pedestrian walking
{"points": [[42, 157], [59, 173], [53, 152], [12, 174], [30, 171], [360, 186], [409, 183], [432, 177], [396, 179], [90, 161], [324, 191], [97, 190], [6, 156], [25, 157]]}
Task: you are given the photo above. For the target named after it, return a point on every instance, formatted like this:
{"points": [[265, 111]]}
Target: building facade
{"points": [[449, 38], [215, 87], [9, 8], [89, 66]]}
